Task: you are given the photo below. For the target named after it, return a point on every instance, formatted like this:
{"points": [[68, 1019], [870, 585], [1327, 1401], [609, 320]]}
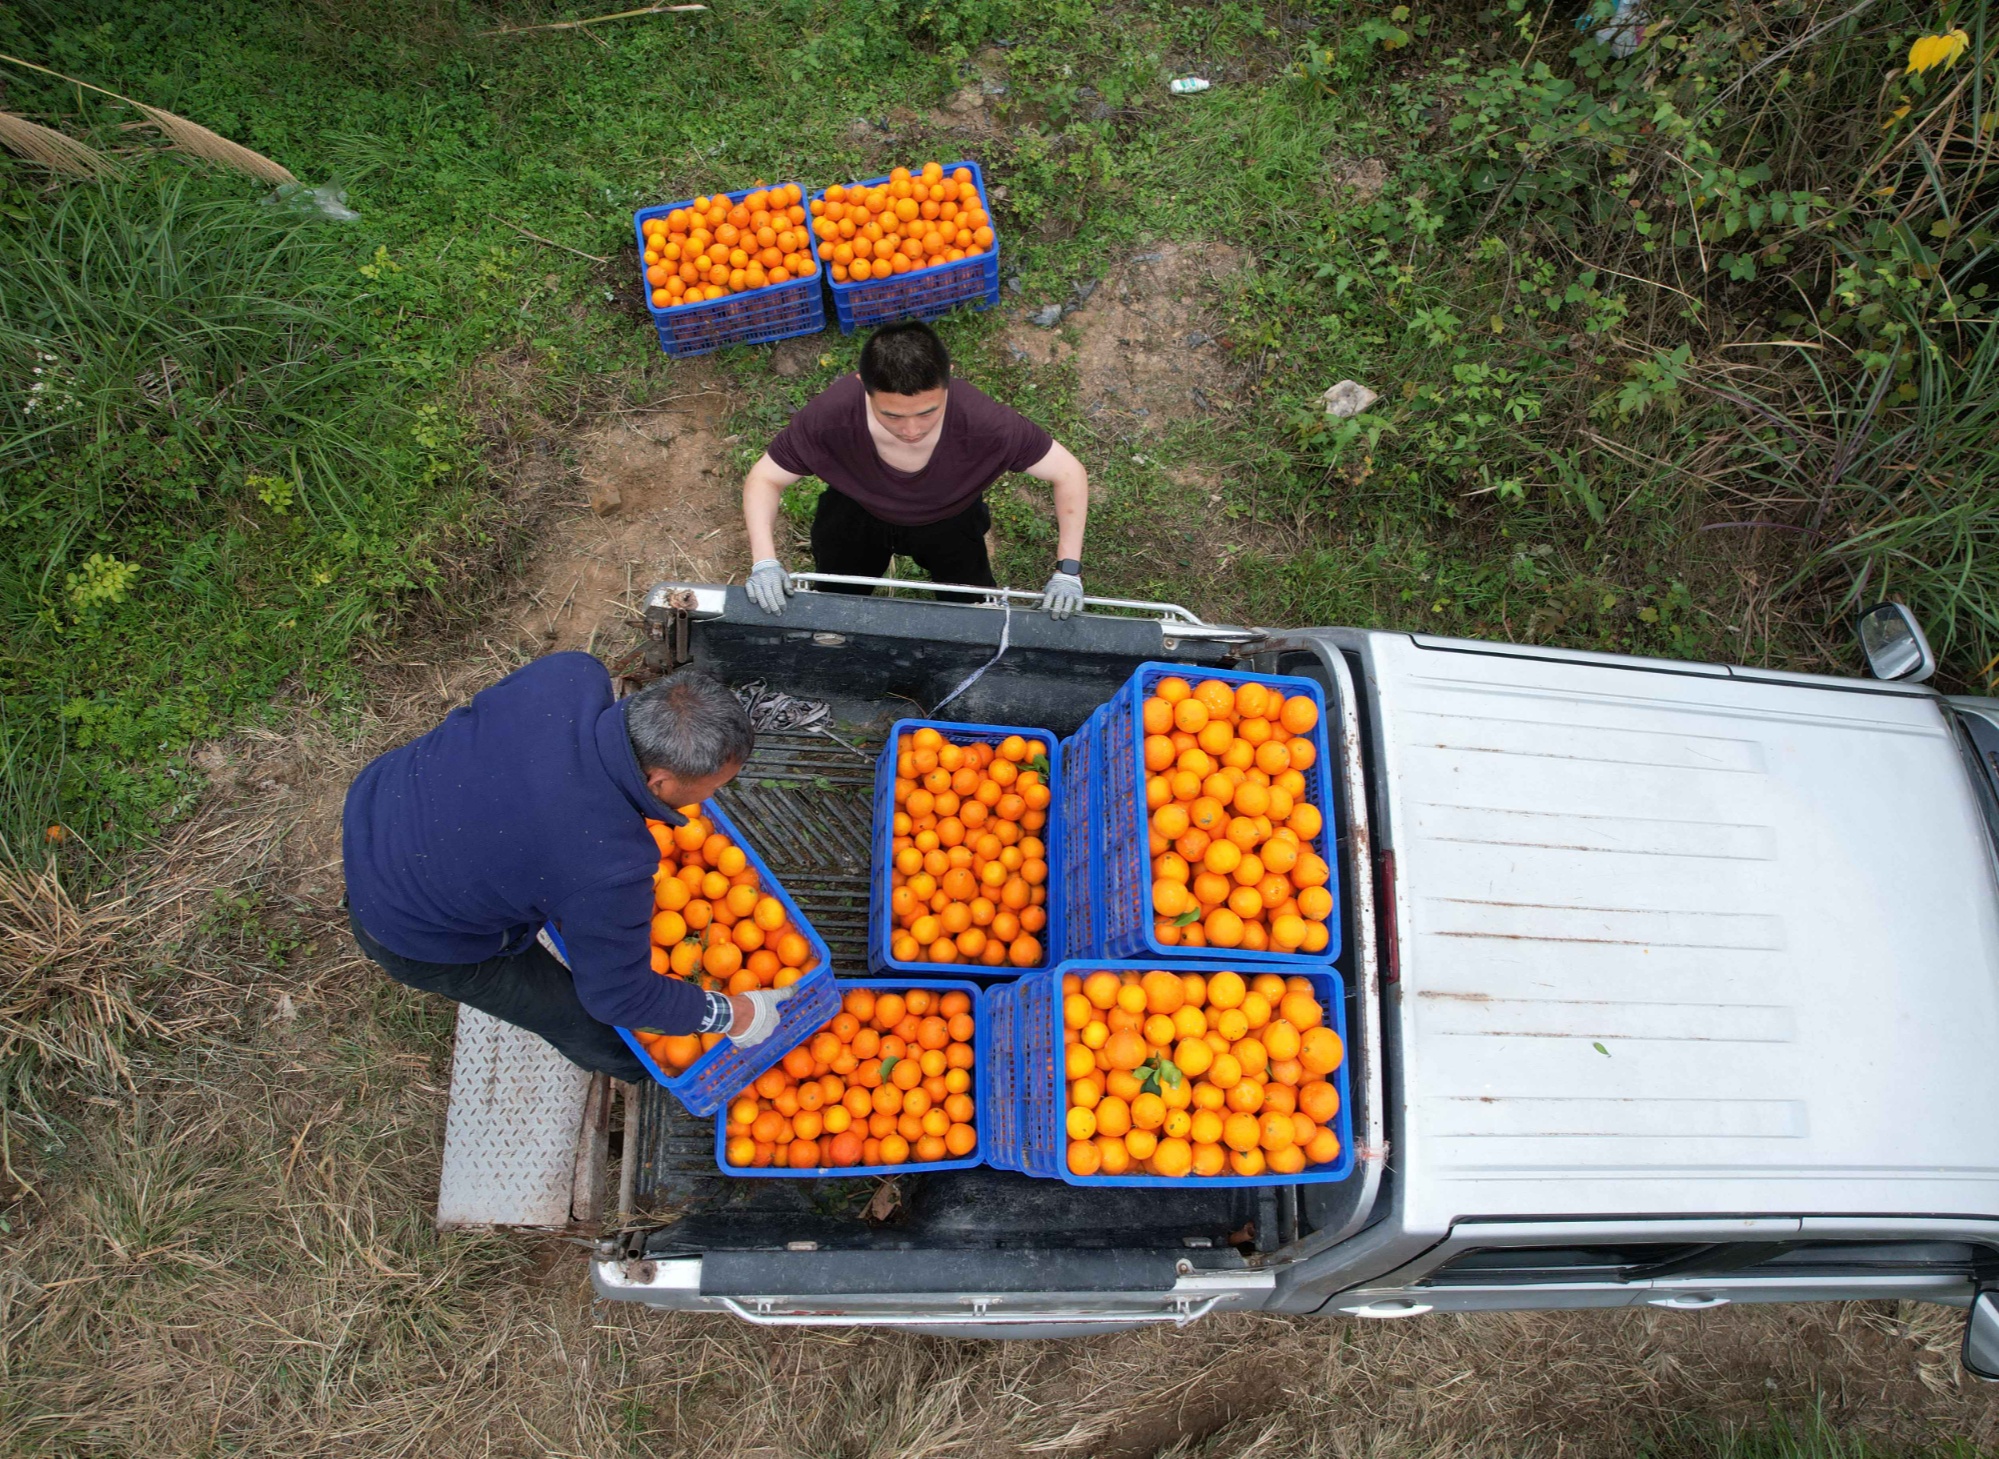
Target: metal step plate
{"points": [[512, 1135]]}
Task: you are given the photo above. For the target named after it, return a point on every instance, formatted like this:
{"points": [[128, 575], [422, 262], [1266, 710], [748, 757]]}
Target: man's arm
{"points": [[605, 929], [763, 497], [1063, 596], [1065, 473]]}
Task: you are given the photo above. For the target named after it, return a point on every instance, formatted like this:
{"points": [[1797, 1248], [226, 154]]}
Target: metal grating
{"points": [[807, 806]]}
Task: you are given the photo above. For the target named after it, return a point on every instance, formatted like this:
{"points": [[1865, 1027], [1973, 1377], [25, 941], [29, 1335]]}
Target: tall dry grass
{"points": [[86, 976]]}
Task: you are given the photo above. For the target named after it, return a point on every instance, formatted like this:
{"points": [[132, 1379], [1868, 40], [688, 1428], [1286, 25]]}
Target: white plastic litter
{"points": [[1626, 31], [1348, 398], [325, 201], [1188, 85]]}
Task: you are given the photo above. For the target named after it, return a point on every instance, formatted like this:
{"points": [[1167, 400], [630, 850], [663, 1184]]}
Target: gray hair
{"points": [[688, 725]]}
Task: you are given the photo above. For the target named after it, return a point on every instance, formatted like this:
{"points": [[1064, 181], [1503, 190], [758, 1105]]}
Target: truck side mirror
{"points": [[1894, 644], [1981, 1337]]}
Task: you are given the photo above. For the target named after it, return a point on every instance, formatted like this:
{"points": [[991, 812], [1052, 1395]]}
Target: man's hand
{"points": [[1063, 595], [757, 1015], [768, 584]]}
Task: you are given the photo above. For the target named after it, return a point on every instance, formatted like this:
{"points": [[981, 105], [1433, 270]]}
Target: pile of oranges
{"points": [[968, 866], [1231, 828], [913, 221], [887, 1081], [715, 924], [1179, 1074], [714, 247]]}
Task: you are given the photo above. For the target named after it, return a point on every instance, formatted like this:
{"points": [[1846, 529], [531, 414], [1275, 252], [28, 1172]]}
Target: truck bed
{"points": [[805, 803]]}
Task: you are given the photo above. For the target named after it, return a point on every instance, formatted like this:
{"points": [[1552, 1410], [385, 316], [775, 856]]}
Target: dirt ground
{"points": [[234, 1253]]}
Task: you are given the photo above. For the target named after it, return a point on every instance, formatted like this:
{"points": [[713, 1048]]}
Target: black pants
{"points": [[530, 990], [850, 540]]}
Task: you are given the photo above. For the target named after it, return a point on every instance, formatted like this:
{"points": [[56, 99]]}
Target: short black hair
{"points": [[689, 725], [904, 359]]}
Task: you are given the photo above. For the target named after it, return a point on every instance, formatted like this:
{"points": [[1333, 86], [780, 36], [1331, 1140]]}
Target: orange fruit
{"points": [[1301, 1011], [1084, 1158], [1319, 1100], [1321, 1051], [1226, 990], [1124, 1050], [1217, 696], [1193, 1057], [1164, 992], [1223, 928], [1299, 714], [1101, 989], [1113, 1116], [1174, 1157]]}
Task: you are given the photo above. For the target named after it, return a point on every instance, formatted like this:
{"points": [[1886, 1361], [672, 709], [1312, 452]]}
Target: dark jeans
{"points": [[530, 990], [849, 539]]}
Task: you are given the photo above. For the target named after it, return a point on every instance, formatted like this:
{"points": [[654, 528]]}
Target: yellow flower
{"points": [[1937, 50]]}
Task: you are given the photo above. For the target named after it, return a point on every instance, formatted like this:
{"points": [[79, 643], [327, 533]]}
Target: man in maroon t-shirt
{"points": [[907, 453]]}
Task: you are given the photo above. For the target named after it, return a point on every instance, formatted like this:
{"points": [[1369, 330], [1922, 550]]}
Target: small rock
{"points": [[1348, 398], [1147, 257], [967, 101], [605, 499], [1200, 398], [1195, 340], [1083, 292], [1047, 317], [286, 1011], [1015, 283]]}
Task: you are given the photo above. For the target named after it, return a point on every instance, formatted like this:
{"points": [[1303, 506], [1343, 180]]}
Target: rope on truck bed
{"points": [[771, 712]]}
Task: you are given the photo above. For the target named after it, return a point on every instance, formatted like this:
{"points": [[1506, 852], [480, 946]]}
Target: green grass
{"points": [[1562, 452], [212, 485]]}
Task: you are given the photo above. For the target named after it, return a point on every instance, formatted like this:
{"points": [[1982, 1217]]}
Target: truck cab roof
{"points": [[1680, 940]]}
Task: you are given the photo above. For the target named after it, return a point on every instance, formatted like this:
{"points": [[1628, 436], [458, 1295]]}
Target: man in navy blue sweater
{"points": [[528, 807]]}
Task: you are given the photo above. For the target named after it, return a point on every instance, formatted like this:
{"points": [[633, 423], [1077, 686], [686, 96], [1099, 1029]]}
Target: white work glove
{"points": [[768, 584], [1063, 595], [763, 1012]]}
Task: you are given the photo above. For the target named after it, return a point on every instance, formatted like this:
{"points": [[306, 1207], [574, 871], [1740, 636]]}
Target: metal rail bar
{"points": [[1182, 1312]]}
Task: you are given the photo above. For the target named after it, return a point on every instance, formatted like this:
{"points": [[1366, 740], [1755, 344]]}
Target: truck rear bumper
{"points": [[675, 1283]]}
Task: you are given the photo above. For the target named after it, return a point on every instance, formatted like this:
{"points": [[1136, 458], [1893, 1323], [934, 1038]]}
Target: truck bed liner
{"points": [[804, 802]]}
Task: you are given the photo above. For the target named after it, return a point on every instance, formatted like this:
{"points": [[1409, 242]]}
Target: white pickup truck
{"points": [[1669, 983]]}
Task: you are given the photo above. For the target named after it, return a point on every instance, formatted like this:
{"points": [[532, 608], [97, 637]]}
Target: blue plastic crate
{"points": [[1040, 1089], [723, 1071], [922, 293], [1122, 834], [1082, 889], [776, 311], [881, 922], [1000, 1139], [981, 1057]]}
